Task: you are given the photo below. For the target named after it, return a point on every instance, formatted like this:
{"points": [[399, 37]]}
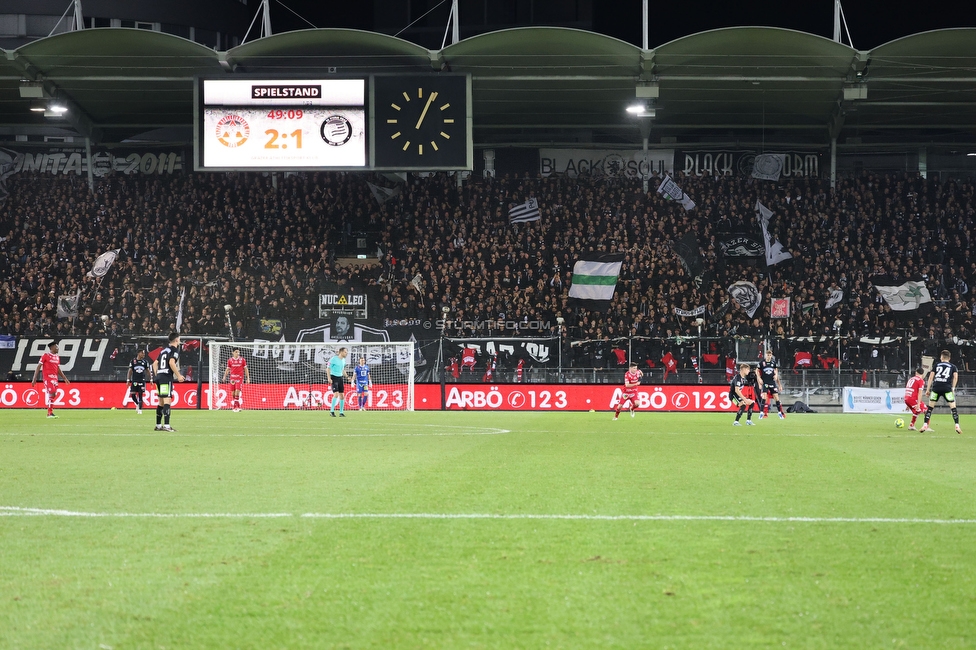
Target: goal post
{"points": [[295, 376]]}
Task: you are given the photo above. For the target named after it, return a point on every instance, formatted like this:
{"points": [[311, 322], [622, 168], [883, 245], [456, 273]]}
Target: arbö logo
{"points": [[474, 399]]}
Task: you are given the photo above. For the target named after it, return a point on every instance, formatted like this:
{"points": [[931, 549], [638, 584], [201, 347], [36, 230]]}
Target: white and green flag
{"points": [[595, 279], [907, 296]]}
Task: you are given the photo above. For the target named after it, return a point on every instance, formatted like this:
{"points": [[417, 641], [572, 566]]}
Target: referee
{"points": [[337, 373]]}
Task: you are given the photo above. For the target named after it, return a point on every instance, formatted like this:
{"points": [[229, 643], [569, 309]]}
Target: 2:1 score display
{"points": [[274, 134], [273, 137]]}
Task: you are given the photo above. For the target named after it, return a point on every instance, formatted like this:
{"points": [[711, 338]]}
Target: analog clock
{"points": [[421, 122]]}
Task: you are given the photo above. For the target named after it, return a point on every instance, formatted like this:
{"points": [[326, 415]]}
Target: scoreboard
{"points": [[379, 122]]}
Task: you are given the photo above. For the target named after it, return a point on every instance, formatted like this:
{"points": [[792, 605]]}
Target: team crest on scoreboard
{"points": [[233, 131], [336, 130]]}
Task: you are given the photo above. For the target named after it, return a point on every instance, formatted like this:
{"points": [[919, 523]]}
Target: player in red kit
{"points": [[50, 369], [912, 399], [237, 369], [632, 380]]}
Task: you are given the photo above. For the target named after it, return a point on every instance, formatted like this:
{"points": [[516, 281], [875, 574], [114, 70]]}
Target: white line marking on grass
{"points": [[12, 511], [9, 511], [468, 431]]}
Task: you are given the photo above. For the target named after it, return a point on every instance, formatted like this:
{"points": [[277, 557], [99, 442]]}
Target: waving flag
{"points": [[907, 296], [747, 295], [775, 253], [68, 306], [103, 263], [524, 212], [768, 166], [835, 298], [382, 194], [688, 252], [670, 191], [595, 280], [670, 365], [179, 311]]}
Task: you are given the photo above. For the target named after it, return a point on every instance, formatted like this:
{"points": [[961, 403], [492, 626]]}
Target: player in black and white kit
{"points": [[942, 383], [166, 368], [140, 371], [739, 394], [770, 379]]}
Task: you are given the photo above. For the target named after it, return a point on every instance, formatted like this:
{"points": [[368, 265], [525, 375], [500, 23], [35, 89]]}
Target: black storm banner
{"points": [[797, 164]]}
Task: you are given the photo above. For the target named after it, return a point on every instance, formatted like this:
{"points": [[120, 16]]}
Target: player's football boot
{"points": [[332, 413], [912, 428], [52, 416], [925, 427], [158, 427], [782, 416], [958, 429], [166, 427], [750, 423], [632, 413], [737, 424]]}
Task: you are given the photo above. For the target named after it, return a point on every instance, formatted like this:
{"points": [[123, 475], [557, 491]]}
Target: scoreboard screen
{"points": [[275, 124], [381, 122]]}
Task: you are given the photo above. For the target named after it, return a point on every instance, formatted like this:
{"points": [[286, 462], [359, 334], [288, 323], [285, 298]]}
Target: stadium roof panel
{"points": [[533, 84], [543, 51], [347, 50]]}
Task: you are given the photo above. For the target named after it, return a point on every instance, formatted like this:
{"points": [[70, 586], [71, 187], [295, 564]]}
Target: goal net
{"points": [[296, 375]]}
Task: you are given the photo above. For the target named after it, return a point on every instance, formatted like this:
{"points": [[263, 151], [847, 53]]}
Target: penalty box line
{"points": [[13, 511]]}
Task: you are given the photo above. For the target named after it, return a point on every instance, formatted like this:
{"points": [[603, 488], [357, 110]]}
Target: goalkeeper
{"points": [[363, 382]]}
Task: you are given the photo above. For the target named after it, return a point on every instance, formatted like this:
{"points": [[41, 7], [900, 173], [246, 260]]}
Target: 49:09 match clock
{"points": [[422, 122]]}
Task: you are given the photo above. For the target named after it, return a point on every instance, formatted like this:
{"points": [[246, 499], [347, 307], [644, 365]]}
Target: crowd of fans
{"points": [[268, 246]]}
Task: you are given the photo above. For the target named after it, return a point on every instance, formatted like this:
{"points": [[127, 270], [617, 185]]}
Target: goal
{"points": [[295, 376]]}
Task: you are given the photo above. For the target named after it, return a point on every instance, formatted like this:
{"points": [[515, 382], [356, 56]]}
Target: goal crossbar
{"points": [[290, 376]]}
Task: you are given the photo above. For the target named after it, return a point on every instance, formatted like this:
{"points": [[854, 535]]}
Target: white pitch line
{"points": [[12, 511], [164, 434], [9, 511]]}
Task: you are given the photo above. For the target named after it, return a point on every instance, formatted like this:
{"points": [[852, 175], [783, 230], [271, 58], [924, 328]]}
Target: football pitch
{"points": [[484, 530]]}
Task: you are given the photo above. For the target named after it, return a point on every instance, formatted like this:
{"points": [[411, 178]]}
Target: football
{"points": [[899, 423]]}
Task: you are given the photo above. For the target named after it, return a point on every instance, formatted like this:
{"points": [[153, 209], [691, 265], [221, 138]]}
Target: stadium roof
{"points": [[535, 85]]}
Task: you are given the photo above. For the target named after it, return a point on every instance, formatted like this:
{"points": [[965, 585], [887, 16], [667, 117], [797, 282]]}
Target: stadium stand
{"points": [[236, 239]]}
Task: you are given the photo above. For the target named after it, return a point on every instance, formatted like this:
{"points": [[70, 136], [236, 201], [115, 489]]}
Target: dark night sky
{"points": [[871, 22]]}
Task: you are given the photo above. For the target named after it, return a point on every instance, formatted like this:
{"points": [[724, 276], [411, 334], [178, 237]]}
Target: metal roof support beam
{"points": [[736, 77], [928, 80], [839, 20], [452, 26], [657, 126], [645, 19], [555, 77], [264, 10]]}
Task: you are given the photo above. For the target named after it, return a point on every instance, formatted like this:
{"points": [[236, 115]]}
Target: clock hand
{"points": [[430, 100]]}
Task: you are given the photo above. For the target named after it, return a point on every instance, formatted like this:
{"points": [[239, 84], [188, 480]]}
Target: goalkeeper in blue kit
{"points": [[364, 382]]}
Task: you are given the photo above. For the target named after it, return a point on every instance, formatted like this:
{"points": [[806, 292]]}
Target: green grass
{"points": [[297, 581]]}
